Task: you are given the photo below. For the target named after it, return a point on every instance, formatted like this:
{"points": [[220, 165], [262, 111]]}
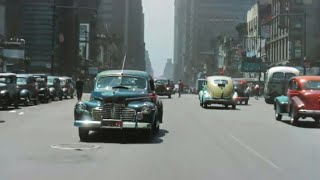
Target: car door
{"points": [[293, 90]]}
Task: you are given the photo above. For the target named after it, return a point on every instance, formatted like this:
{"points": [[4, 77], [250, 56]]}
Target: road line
{"points": [[255, 152]]}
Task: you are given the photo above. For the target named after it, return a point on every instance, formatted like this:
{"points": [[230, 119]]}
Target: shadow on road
{"points": [[303, 124], [125, 137], [222, 108], [2, 121], [9, 109]]}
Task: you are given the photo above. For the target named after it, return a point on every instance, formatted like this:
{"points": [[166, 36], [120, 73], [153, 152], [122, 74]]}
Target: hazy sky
{"points": [[159, 31]]}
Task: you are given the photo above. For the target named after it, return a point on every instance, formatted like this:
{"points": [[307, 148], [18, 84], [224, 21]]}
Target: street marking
{"points": [[21, 113], [75, 147], [255, 152], [12, 111]]}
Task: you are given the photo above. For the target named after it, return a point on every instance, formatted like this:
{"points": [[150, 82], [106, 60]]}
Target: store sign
{"points": [[13, 53], [253, 66]]}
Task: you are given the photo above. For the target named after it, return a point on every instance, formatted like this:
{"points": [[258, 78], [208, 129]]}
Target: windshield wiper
{"points": [[119, 87]]}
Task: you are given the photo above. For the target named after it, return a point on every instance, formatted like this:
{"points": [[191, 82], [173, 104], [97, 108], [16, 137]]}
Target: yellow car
{"points": [[218, 90]]}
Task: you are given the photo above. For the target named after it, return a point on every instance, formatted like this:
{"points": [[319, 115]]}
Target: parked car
{"points": [[54, 88], [8, 90], [67, 85], [240, 86], [121, 100], [164, 87], [218, 90], [276, 82], [302, 100], [43, 90], [28, 90]]}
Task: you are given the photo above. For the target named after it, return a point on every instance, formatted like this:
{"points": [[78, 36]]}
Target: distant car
{"points": [[276, 82], [54, 88], [218, 90], [121, 100], [43, 90], [240, 87], [164, 87], [67, 85], [8, 90], [302, 100], [28, 90]]}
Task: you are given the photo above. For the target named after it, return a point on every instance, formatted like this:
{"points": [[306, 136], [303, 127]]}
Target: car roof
{"points": [[24, 75], [283, 69], [124, 72], [219, 77], [8, 74], [306, 78]]}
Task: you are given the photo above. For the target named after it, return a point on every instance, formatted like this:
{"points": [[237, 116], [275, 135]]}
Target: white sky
{"points": [[159, 32]]}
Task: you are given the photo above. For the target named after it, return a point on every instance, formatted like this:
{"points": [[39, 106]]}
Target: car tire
{"points": [[61, 98], [169, 96], [278, 117], [83, 134], [246, 102], [26, 101], [205, 105], [316, 122], [35, 102], [226, 106], [234, 106], [65, 97]]}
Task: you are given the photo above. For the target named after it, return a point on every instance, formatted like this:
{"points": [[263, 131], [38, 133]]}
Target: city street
{"points": [[193, 144]]}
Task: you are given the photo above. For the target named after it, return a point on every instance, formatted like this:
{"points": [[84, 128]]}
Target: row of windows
{"points": [[278, 51]]}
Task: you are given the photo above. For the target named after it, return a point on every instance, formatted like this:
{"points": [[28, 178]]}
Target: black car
{"points": [[43, 90], [28, 90], [240, 86], [67, 85], [164, 87], [54, 88], [8, 90]]}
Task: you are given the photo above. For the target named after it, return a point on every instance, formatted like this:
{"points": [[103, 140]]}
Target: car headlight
{"points": [[168, 88], [80, 108], [139, 116], [207, 95], [145, 110]]}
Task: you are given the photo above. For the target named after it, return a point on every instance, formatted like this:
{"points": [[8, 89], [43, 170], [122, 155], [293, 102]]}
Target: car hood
{"points": [[119, 96]]}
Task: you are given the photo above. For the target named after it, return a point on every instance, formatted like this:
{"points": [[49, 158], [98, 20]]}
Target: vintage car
{"points": [[43, 90], [302, 100], [8, 90], [164, 87], [240, 86], [67, 85], [218, 90], [54, 88], [27, 88], [276, 82], [121, 100]]}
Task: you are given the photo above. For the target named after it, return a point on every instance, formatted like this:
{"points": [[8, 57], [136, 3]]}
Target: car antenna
{"points": [[123, 63]]}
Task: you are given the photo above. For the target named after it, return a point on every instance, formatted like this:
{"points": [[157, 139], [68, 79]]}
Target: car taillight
{"points": [[153, 96]]}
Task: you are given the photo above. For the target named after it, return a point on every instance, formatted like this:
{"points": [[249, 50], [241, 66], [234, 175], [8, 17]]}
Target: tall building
{"points": [[168, 69], [2, 18], [198, 23], [149, 68], [294, 32]]}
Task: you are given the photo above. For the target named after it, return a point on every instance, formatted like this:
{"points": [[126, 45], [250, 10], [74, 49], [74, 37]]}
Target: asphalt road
{"points": [[193, 144]]}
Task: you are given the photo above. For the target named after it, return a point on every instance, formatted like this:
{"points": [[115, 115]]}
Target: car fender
{"points": [[280, 101], [297, 103], [24, 93]]}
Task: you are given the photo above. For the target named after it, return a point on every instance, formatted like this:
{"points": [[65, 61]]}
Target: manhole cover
{"points": [[76, 147]]}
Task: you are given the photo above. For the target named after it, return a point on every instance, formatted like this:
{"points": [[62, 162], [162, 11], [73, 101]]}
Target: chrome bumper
{"points": [[99, 125], [219, 101], [309, 112]]}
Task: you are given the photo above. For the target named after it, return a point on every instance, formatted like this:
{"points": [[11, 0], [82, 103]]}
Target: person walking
{"points": [[79, 87], [257, 90], [180, 88]]}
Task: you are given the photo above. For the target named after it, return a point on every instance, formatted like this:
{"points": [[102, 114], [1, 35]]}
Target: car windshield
{"points": [[50, 81], [21, 80], [160, 82], [312, 85], [63, 82], [220, 81], [5, 80], [107, 83]]}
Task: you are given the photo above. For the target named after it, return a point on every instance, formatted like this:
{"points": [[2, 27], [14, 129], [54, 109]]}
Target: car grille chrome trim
{"points": [[113, 111]]}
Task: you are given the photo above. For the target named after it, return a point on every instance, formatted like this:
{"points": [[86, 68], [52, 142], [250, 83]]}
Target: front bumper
{"points": [[99, 125], [220, 101], [309, 113], [242, 98]]}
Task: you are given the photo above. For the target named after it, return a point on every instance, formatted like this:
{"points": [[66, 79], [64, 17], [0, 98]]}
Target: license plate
{"points": [[111, 123]]}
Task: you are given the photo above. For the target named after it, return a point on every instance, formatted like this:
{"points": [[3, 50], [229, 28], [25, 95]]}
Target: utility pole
{"points": [[53, 35]]}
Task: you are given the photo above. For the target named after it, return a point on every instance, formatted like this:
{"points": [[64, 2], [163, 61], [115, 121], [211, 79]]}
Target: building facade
{"points": [[294, 32], [198, 23]]}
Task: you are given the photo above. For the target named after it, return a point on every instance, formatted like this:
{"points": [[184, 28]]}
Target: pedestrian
{"points": [[79, 87], [257, 90], [180, 88]]}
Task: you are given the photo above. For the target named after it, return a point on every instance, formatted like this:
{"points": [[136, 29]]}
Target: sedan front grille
{"points": [[113, 111]]}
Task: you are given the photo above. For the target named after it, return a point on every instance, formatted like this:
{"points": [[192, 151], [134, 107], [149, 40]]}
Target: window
{"points": [[312, 85], [289, 76], [294, 85], [132, 83], [278, 76]]}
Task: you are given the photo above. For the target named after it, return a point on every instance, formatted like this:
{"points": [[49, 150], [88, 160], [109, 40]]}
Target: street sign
{"points": [[253, 66], [93, 70]]}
